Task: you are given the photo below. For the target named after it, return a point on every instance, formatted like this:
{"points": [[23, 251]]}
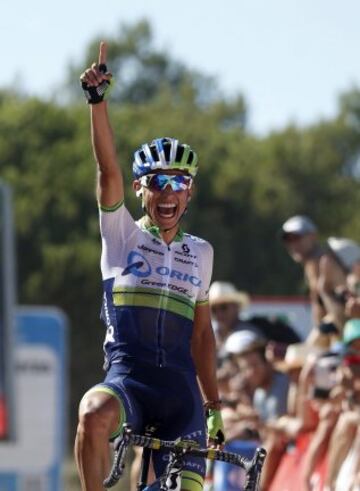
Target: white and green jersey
{"points": [[151, 290]]}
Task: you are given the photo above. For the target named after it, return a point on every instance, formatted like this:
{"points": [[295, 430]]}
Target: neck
{"points": [[267, 379], [314, 253], [225, 329], [167, 235]]}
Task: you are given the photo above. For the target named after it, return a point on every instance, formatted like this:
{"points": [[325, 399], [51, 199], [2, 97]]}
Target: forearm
{"points": [[317, 311], [204, 355], [102, 137], [334, 309], [317, 449], [110, 181]]}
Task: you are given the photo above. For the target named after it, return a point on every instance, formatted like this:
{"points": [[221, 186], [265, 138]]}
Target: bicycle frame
{"points": [[178, 449]]}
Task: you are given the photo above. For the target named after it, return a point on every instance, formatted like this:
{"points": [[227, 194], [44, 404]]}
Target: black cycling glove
{"points": [[94, 95]]}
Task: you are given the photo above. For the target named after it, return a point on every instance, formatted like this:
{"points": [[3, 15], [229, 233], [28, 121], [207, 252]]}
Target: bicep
{"points": [[326, 271], [312, 275], [110, 187]]}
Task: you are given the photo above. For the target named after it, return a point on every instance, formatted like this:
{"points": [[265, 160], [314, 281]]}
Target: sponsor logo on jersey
{"points": [[162, 284], [185, 248], [139, 266], [186, 252], [185, 261], [148, 249]]}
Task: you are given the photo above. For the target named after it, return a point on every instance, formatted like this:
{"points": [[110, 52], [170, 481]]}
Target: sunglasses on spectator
{"points": [[158, 182], [291, 237]]}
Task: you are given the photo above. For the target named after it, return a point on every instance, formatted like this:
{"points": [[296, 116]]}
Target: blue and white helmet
{"points": [[165, 154]]}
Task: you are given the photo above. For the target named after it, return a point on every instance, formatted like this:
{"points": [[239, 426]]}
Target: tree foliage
{"points": [[143, 72], [246, 188]]}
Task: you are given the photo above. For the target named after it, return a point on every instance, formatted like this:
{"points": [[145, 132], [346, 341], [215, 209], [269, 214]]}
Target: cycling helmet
{"points": [[164, 153]]}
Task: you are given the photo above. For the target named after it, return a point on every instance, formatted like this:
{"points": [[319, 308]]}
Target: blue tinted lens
{"points": [[160, 181]]}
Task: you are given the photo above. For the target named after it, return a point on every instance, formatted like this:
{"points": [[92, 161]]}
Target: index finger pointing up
{"points": [[102, 53]]}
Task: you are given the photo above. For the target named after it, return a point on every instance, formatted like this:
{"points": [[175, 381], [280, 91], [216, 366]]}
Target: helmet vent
{"points": [[154, 153], [142, 155], [180, 153], [167, 148]]}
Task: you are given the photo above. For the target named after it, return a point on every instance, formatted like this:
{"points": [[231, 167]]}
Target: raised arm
{"points": [[110, 188]]}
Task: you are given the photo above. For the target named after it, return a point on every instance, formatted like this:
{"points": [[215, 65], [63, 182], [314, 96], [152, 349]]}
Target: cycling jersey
{"points": [[151, 290]]}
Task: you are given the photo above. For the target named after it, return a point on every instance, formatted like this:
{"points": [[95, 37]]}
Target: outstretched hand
{"points": [[97, 73]]}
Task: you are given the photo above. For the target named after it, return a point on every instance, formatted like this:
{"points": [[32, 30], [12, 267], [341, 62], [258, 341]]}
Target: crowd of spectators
{"points": [[297, 397]]}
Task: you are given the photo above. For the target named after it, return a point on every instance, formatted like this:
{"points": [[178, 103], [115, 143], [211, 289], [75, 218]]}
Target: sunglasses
{"points": [[158, 182], [291, 237]]}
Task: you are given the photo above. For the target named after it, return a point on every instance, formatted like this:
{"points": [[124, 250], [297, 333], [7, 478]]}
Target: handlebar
{"points": [[181, 447]]}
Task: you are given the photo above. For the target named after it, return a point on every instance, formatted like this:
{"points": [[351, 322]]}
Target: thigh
{"points": [[99, 412], [119, 384], [190, 425]]}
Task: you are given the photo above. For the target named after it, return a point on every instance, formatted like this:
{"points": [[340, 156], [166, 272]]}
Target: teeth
{"points": [[167, 210]]}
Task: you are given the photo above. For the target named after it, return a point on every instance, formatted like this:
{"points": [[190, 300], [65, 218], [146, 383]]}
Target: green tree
{"points": [[143, 72], [247, 187]]}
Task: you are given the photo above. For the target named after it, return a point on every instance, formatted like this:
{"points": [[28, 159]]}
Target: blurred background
{"points": [[268, 93]]}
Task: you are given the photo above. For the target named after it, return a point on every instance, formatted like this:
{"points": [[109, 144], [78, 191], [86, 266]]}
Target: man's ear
{"points": [[137, 188]]}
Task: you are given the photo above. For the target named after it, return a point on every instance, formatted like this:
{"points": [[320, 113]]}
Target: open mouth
{"points": [[166, 210]]}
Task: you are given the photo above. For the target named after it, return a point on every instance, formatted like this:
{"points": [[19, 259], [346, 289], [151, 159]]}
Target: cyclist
{"points": [[159, 345]]}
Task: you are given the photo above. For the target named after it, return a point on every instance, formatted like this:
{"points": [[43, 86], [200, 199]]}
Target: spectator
{"points": [[345, 435], [325, 270], [267, 387], [326, 401], [300, 237], [352, 292], [352, 300], [296, 356], [226, 304], [300, 418], [346, 253]]}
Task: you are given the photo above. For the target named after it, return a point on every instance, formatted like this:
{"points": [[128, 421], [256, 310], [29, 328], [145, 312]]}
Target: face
{"points": [[353, 282], [299, 246], [163, 204], [254, 368], [350, 377], [226, 314]]}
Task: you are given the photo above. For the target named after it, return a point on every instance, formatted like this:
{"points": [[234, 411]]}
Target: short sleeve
{"points": [[207, 258], [116, 223], [117, 227]]}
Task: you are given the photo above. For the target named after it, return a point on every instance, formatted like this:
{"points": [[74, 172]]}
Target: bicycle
{"points": [[177, 449]]}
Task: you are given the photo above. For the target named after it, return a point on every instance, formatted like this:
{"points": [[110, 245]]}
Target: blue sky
{"points": [[291, 59]]}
